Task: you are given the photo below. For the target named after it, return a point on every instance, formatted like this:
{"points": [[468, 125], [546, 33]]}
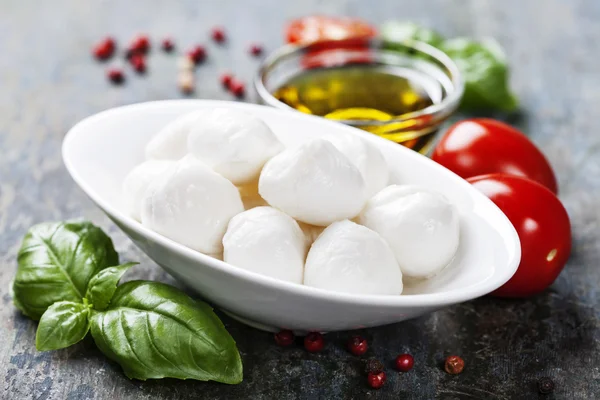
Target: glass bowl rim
{"points": [[446, 106]]}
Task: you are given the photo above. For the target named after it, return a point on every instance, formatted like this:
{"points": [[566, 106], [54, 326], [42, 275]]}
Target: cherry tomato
{"points": [[318, 28], [485, 146], [542, 224]]}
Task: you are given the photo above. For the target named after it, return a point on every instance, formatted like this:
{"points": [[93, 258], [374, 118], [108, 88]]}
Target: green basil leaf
{"points": [[56, 262], [485, 72], [155, 331], [401, 31], [103, 285], [62, 325]]}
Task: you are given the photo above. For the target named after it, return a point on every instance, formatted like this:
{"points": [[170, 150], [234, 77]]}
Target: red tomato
{"points": [[485, 146], [542, 224], [318, 28], [336, 53]]}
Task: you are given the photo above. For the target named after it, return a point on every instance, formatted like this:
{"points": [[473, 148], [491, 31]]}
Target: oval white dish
{"points": [[100, 150]]}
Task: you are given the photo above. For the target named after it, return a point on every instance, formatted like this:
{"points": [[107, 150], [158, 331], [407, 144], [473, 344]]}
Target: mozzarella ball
{"points": [[351, 258], [266, 241], [367, 158], [421, 226], [191, 204], [233, 143], [170, 143], [137, 181], [314, 183]]}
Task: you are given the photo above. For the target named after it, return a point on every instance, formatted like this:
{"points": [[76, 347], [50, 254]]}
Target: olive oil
{"points": [[358, 94]]}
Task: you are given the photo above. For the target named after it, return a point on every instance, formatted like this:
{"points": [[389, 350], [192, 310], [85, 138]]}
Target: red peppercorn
{"points": [[102, 52], [226, 79], [138, 62], [168, 45], [376, 379], [454, 365], [357, 345], [140, 44], [284, 338], [110, 42], [218, 34], [313, 342], [197, 54], [237, 88], [404, 362], [256, 50], [115, 75], [105, 49]]}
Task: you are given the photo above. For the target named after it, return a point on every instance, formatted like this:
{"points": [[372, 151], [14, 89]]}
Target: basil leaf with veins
{"points": [[156, 331], [103, 285], [63, 324], [56, 262]]}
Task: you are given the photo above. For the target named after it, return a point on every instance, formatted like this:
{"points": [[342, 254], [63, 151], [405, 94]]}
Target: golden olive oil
{"points": [[357, 94]]}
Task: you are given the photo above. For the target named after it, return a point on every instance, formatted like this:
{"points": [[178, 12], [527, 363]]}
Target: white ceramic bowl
{"points": [[100, 151]]}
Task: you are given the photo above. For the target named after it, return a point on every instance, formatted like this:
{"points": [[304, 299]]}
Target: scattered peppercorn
{"points": [[404, 362], [218, 34], [357, 345], [140, 44], [256, 50], [226, 79], [186, 82], [545, 385], [373, 366], [284, 338], [168, 45], [115, 75], [105, 49], [197, 54], [376, 379], [237, 88], [454, 365], [138, 62], [313, 342], [109, 41]]}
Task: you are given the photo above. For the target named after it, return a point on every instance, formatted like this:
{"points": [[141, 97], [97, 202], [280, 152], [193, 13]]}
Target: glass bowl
{"points": [[424, 65]]}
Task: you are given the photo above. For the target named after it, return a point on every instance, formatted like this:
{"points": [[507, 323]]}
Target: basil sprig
{"points": [[481, 62], [68, 279], [56, 262]]}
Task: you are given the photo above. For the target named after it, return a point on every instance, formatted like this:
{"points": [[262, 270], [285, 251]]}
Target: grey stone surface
{"points": [[48, 81]]}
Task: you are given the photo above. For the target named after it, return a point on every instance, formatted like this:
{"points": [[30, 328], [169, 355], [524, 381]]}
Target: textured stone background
{"points": [[48, 82]]}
